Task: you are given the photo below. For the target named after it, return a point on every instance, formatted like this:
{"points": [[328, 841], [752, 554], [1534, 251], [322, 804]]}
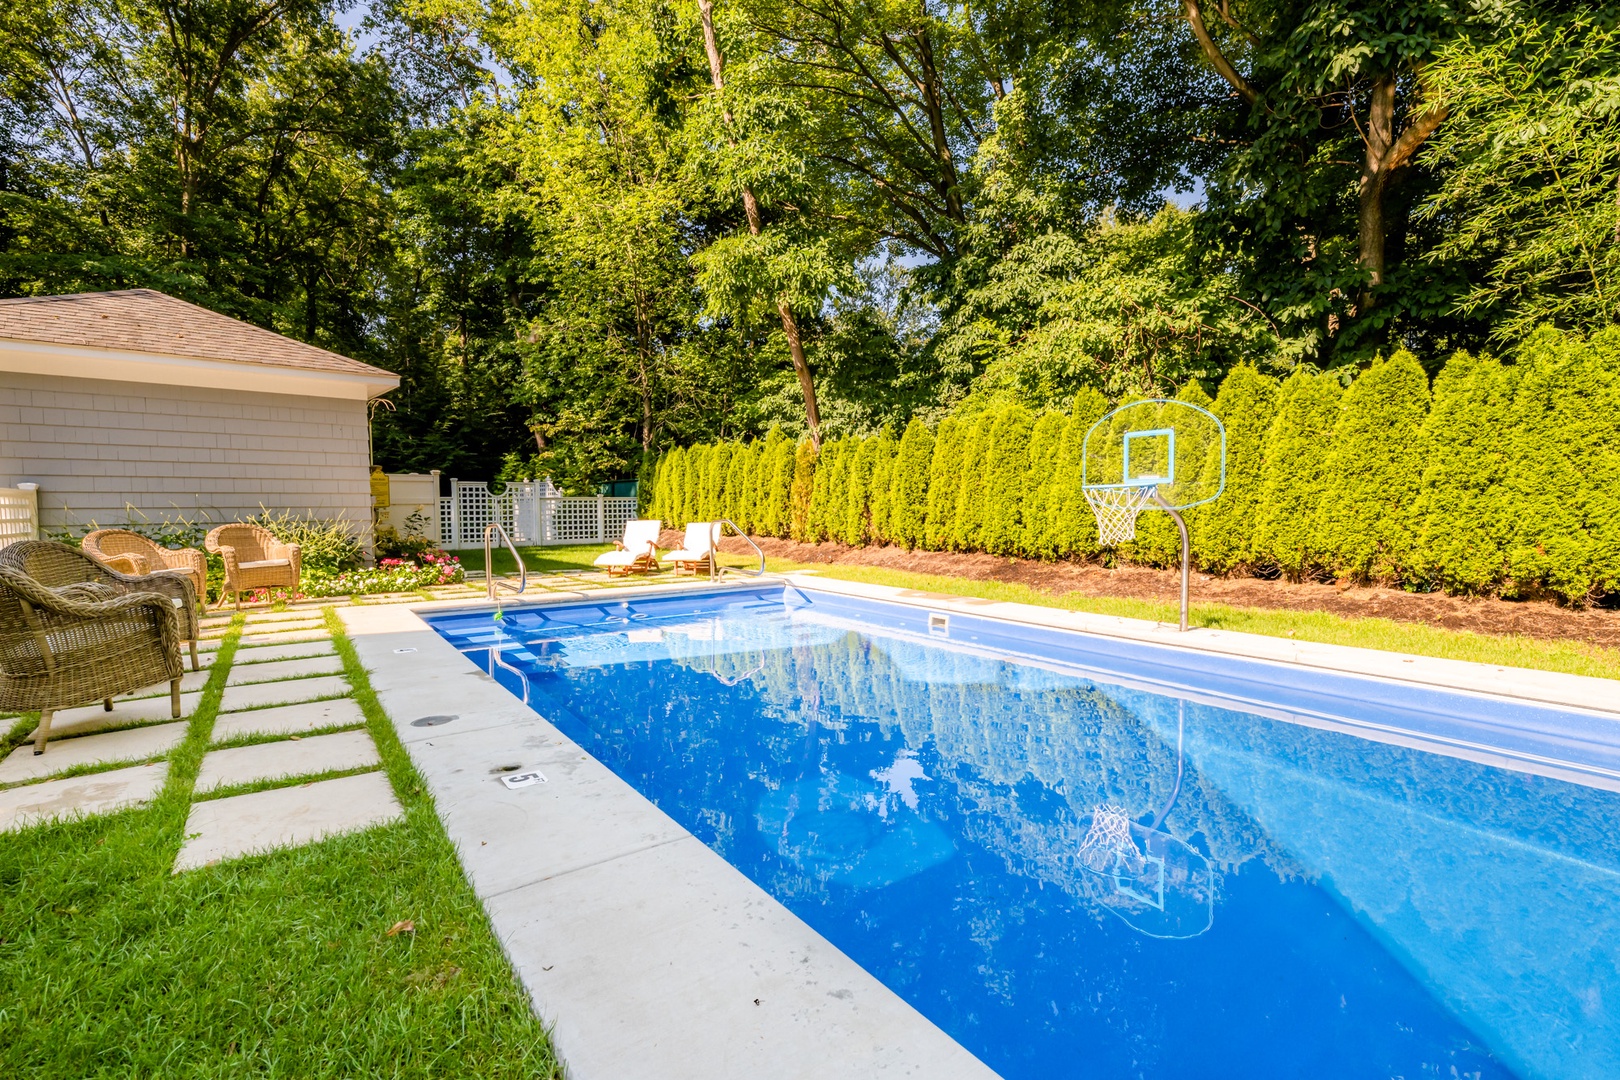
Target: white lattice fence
{"points": [[19, 514], [531, 514]]}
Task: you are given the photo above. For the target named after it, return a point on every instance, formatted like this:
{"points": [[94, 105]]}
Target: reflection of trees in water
{"points": [[1009, 725]]}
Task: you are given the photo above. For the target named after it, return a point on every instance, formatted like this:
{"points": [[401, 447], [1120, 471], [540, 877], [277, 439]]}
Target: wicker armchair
{"points": [[132, 553], [83, 641], [56, 565], [254, 559]]}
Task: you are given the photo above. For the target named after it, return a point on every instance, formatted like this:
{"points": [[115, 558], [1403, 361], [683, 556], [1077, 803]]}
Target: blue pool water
{"points": [[1086, 857]]}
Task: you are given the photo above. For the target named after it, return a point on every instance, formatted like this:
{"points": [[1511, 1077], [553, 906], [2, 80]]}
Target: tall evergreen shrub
{"points": [[675, 492], [1364, 522], [1006, 463], [1224, 530], [1072, 531], [944, 480], [832, 450], [715, 485], [1042, 482], [1158, 541], [776, 484], [652, 494], [1462, 519], [879, 504], [1294, 476], [858, 488], [1564, 489], [697, 475], [908, 492], [970, 493], [801, 490], [737, 484]]}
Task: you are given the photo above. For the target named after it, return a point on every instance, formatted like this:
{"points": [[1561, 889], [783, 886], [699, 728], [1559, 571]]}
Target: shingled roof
{"points": [[148, 321]]}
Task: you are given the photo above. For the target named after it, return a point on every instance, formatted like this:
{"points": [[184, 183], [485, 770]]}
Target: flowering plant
{"points": [[430, 567]]}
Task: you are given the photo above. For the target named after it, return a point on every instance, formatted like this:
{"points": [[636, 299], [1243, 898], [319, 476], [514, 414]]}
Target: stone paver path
{"points": [[283, 692], [243, 674], [134, 744], [259, 654], [288, 719], [242, 765]]}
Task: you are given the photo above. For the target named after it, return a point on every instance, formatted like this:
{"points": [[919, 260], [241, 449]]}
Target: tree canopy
{"points": [[583, 232]]}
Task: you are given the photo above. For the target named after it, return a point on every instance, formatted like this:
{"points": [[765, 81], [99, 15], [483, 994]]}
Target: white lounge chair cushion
{"points": [[619, 558], [263, 564], [684, 555]]}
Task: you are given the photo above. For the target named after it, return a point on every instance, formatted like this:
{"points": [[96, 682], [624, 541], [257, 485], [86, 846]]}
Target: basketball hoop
{"points": [[1116, 509]]}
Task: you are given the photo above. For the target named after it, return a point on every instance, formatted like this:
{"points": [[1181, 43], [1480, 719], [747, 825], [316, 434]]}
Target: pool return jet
{"points": [[1154, 453]]}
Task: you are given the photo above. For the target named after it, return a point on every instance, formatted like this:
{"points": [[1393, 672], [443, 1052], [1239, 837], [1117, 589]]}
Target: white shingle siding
{"points": [[94, 444]]}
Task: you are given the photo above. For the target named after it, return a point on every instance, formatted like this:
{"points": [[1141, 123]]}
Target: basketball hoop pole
{"points": [[1186, 552]]}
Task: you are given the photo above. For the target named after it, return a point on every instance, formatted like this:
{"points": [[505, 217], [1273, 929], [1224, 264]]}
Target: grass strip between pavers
{"points": [[112, 965]]}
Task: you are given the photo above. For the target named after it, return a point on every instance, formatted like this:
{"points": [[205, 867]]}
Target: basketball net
{"points": [[1116, 509], [1108, 844]]}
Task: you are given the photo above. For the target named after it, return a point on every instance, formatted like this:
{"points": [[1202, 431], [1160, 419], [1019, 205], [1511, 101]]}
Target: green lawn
{"points": [[278, 965], [1574, 658], [554, 559]]}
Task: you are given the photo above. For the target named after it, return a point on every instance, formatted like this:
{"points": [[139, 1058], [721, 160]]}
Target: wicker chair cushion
{"points": [[263, 564]]}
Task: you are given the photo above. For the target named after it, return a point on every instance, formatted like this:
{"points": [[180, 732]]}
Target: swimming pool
{"points": [[1084, 856]]}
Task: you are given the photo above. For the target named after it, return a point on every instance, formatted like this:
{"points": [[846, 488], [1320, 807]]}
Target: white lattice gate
{"points": [[19, 514], [531, 514]]}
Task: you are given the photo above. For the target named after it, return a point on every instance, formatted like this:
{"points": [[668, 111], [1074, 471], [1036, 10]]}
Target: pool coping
{"points": [[646, 953]]}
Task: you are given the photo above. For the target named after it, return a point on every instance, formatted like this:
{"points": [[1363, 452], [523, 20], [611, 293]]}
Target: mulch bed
{"points": [[1537, 619]]}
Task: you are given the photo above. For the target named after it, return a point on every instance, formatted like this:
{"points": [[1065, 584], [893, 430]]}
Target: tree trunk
{"points": [[1380, 137], [790, 324]]}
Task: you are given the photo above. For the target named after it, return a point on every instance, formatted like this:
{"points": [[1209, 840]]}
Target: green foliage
{"points": [[858, 489], [880, 490], [1158, 541], [327, 545], [821, 495], [719, 472], [1363, 521], [772, 516], [1006, 463], [1042, 482], [1072, 532], [1295, 476], [1564, 484], [1464, 515], [944, 482], [1224, 531], [970, 490], [1529, 153], [801, 490], [737, 484], [909, 490]]}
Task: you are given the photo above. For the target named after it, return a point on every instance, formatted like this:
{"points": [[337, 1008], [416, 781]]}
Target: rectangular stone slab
{"points": [[282, 693], [260, 654], [220, 829], [312, 634], [133, 744], [88, 718], [286, 759], [98, 793], [289, 719], [245, 674]]}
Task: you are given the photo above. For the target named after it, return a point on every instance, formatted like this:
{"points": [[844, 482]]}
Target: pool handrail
{"points": [[718, 571], [489, 561]]}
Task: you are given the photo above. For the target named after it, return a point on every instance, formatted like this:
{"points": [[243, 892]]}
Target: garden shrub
{"points": [[674, 490], [1158, 541], [908, 493], [970, 492], [801, 489], [1072, 530], [1006, 463], [770, 501], [1462, 518], [944, 481], [1224, 530], [1041, 485], [1564, 487], [1363, 522], [1294, 474], [878, 502], [821, 491], [714, 487], [857, 488]]}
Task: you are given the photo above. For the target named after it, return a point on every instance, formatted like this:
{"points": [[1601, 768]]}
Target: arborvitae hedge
{"points": [[1364, 524], [1041, 485], [1224, 531], [908, 493], [1509, 483], [1294, 476], [1006, 461], [803, 487], [970, 492], [1564, 486], [1158, 541], [944, 477]]}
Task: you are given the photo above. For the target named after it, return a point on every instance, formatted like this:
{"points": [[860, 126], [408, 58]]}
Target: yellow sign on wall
{"points": [[379, 487]]}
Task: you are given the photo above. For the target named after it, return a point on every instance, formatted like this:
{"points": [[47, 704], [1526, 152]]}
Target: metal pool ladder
{"points": [[523, 571], [715, 569]]}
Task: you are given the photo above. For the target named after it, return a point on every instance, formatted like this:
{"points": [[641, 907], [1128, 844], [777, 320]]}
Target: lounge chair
{"points": [[133, 554], [254, 559], [697, 549], [84, 641], [637, 552]]}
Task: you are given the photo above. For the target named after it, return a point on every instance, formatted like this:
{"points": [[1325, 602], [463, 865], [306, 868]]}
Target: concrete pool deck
{"points": [[648, 954]]}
